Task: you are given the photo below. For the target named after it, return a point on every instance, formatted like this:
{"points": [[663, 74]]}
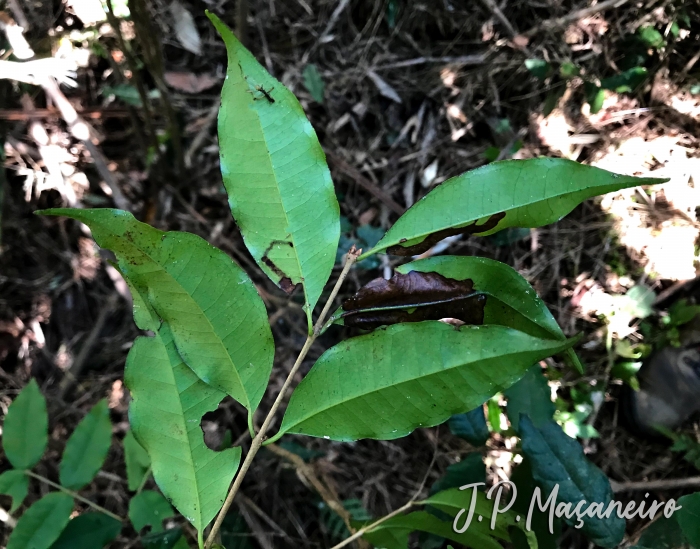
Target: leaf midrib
{"points": [[378, 249], [203, 314], [344, 401]]}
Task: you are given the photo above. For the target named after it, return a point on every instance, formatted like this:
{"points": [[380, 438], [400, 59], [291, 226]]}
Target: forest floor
{"points": [[403, 95]]}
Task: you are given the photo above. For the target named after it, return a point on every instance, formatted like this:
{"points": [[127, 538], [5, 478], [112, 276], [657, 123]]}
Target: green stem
{"points": [[251, 427], [274, 438], [74, 495], [146, 475], [258, 440]]}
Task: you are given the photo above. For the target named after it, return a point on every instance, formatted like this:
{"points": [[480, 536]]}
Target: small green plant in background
{"points": [[208, 337]]}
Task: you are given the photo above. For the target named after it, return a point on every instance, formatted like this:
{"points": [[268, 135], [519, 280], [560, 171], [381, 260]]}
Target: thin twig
{"points": [[574, 16], [362, 531], [257, 442], [664, 484], [74, 495]]}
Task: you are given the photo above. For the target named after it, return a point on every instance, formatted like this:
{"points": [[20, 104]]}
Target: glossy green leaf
{"points": [[689, 517], [558, 460], [625, 82], [511, 301], [138, 464], [149, 508], [471, 426], [42, 523], [88, 531], [86, 448], [165, 414], [25, 432], [385, 384], [14, 483], [595, 96], [511, 193], [275, 172], [218, 321], [530, 396]]}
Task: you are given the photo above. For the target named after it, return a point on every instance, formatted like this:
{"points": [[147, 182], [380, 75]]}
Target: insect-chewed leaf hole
{"points": [[223, 425]]}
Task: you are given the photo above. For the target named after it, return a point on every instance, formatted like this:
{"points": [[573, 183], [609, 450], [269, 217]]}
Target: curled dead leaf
{"points": [[414, 297]]}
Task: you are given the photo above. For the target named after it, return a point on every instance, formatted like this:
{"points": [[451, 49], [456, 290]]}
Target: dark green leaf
{"points": [[235, 533], [627, 372], [569, 70], [149, 508], [625, 82], [471, 426], [137, 461], [386, 384], [14, 483], [163, 540], [42, 523], [689, 517], [492, 153], [25, 432], [275, 172], [663, 533], [530, 396], [510, 193], [87, 448], [218, 321], [88, 531], [313, 81], [539, 68], [522, 479], [468, 471], [552, 100], [307, 454], [493, 412], [559, 460]]}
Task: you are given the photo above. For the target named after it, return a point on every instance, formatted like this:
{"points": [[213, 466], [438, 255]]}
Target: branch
{"points": [[352, 256]]}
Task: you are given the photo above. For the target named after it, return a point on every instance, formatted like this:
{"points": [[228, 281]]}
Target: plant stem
{"points": [[260, 437], [362, 531], [74, 495]]}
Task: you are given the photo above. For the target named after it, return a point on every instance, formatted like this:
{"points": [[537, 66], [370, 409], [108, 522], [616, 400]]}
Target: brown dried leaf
{"points": [[190, 82], [414, 297]]}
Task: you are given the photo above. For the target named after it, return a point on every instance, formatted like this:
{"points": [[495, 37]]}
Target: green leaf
{"points": [[511, 301], [165, 414], [625, 82], [627, 372], [313, 81], [14, 483], [149, 508], [235, 533], [218, 321], [25, 432], [569, 70], [530, 396], [279, 186], [651, 37], [471, 426], [663, 533], [493, 413], [689, 517], [385, 384], [552, 99], [522, 479], [86, 448], [595, 96], [511, 193], [539, 68], [88, 531], [558, 460], [137, 461], [169, 539], [468, 471], [42, 523]]}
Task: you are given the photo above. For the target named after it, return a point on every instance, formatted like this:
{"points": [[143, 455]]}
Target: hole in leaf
{"points": [[217, 425]]}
